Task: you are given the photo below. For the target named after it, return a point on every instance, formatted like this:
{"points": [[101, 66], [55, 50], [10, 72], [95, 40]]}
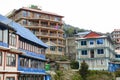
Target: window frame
{"points": [[91, 42], [52, 48], [84, 52], [10, 58], [12, 39], [83, 43], [0, 58], [98, 41], [100, 51]]}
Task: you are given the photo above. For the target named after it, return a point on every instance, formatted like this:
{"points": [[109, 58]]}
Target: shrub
{"points": [[84, 70], [74, 64]]}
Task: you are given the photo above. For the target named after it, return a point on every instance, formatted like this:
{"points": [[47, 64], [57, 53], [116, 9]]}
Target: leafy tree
{"points": [[84, 70], [74, 64]]}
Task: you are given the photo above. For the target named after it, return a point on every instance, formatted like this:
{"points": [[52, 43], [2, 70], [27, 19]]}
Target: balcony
{"points": [[31, 70], [3, 44], [33, 55]]}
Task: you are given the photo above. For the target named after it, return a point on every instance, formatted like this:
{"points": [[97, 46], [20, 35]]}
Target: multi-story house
{"points": [[70, 48], [46, 26], [115, 35], [22, 54], [96, 50]]}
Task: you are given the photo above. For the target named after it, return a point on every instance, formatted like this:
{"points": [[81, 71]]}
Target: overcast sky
{"points": [[97, 15]]}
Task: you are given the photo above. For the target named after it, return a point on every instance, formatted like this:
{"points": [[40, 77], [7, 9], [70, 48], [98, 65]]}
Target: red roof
{"points": [[39, 11], [92, 35]]}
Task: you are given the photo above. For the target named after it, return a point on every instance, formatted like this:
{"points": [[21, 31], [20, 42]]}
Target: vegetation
{"points": [[92, 75], [84, 70], [76, 77], [58, 75], [74, 64], [117, 73], [71, 30], [100, 75]]}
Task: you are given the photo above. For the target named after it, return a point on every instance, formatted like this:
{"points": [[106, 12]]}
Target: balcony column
{"points": [[57, 47], [49, 33], [49, 23], [49, 48], [39, 23], [57, 35]]}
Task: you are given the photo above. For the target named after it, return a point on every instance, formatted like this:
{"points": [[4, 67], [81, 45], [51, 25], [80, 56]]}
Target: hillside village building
{"points": [[115, 35], [22, 57], [70, 48], [45, 25], [96, 50]]}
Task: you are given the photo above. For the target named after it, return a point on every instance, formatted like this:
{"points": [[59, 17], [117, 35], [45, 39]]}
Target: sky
{"points": [[96, 15]]}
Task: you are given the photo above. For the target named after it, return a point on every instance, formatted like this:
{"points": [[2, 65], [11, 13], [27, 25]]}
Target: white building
{"points": [[96, 50]]}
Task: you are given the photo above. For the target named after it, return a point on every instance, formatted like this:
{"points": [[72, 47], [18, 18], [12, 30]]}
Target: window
{"points": [[36, 15], [22, 62], [52, 48], [24, 22], [0, 58], [60, 49], [117, 56], [10, 78], [84, 52], [24, 14], [1, 35], [5, 38], [57, 19], [100, 51], [42, 51], [12, 39], [99, 41], [83, 43], [91, 42], [11, 59]]}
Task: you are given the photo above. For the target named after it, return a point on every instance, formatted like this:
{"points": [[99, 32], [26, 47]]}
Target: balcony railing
{"points": [[31, 70], [32, 54], [3, 44]]}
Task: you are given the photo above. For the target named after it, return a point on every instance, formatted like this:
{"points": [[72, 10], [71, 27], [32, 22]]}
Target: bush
{"points": [[74, 64], [84, 70]]}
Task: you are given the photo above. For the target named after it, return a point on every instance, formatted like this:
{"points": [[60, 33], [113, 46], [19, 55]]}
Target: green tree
{"points": [[74, 64], [84, 70]]}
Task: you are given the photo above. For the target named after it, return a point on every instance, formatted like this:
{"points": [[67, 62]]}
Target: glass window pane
{"points": [[1, 35], [0, 58]]}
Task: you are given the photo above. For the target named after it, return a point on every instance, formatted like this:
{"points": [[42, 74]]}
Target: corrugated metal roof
{"points": [[22, 31]]}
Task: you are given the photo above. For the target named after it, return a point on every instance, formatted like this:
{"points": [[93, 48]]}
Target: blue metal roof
{"points": [[22, 31]]}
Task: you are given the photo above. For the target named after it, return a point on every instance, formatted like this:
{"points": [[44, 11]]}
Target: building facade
{"points": [[70, 48], [96, 50], [115, 35], [22, 57], [45, 25]]}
